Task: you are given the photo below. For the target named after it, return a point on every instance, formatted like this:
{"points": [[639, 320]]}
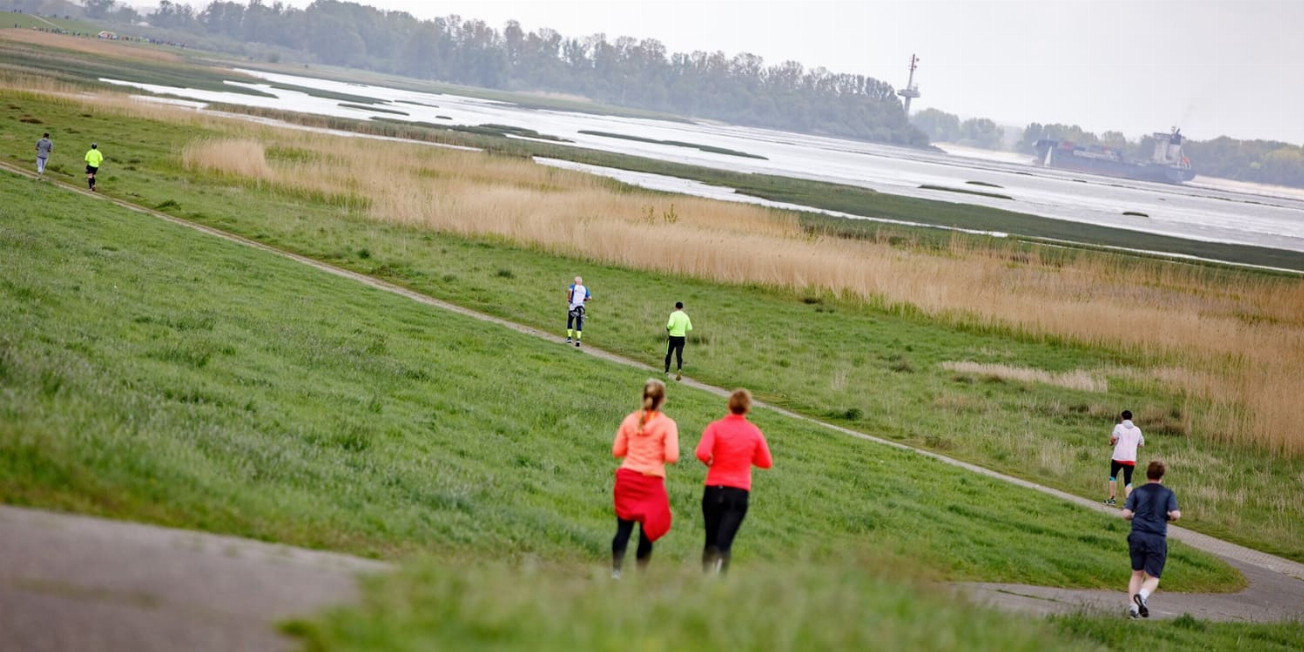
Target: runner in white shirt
{"points": [[1125, 439], [576, 296]]}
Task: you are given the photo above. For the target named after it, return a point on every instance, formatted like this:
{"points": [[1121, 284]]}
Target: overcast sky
{"points": [[1211, 67]]}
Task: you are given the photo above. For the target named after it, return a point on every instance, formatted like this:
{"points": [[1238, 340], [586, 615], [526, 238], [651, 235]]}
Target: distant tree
{"points": [[226, 18], [98, 9], [1261, 161], [173, 15], [939, 125], [1114, 139], [1282, 166], [125, 14], [981, 132], [333, 39], [1071, 133]]}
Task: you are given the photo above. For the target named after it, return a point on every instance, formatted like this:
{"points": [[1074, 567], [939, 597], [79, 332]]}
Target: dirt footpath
{"points": [[1271, 596], [87, 584]]}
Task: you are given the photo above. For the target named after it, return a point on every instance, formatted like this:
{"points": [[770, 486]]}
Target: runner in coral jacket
{"points": [[648, 440]]}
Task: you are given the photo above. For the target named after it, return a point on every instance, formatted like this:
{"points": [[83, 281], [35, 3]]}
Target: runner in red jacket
{"points": [[730, 447]]}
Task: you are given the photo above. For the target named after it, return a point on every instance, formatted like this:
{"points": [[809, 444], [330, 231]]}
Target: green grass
{"points": [[675, 143], [157, 374], [376, 109], [868, 366], [27, 21], [330, 95], [1183, 633], [852, 603], [848, 605], [457, 134], [966, 191]]}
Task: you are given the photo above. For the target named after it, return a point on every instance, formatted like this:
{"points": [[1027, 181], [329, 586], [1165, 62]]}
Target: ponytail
{"points": [[654, 394]]}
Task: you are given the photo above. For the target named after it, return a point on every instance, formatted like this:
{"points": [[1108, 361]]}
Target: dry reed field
{"points": [[98, 47], [1238, 344], [1079, 379]]}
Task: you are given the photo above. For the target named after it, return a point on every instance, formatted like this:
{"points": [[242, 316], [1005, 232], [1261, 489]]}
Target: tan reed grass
{"points": [[1237, 343], [1079, 379], [243, 159]]}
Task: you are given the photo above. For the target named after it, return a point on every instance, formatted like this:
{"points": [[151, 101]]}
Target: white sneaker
{"points": [[615, 573]]}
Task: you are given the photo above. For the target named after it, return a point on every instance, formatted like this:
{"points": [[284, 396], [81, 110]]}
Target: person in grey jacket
{"points": [[44, 147]]}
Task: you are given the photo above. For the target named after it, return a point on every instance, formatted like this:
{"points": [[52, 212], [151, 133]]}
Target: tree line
{"points": [[946, 127], [624, 71]]}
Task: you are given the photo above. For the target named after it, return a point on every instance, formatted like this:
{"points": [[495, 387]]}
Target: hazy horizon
{"points": [[1136, 67]]}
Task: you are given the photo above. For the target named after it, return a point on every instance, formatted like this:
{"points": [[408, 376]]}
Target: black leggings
{"points": [[723, 509], [1115, 466], [677, 348], [618, 545]]}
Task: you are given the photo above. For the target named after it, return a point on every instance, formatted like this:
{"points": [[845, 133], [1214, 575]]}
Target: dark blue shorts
{"points": [[1149, 552]]}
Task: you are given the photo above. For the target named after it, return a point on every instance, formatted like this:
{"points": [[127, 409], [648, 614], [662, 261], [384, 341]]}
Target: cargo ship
{"points": [[1166, 163]]}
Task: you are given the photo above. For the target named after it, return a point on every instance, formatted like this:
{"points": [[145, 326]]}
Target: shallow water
{"points": [[1218, 214]]}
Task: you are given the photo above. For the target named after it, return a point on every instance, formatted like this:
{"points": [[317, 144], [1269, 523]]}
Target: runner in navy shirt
{"points": [[1150, 507]]}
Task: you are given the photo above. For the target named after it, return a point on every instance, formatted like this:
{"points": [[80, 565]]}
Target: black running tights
{"points": [[675, 347], [618, 545], [723, 510]]}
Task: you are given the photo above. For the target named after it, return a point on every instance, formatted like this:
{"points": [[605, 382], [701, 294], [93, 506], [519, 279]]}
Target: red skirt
{"points": [[643, 498]]}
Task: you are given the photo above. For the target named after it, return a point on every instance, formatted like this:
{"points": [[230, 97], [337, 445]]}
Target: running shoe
{"points": [[577, 344], [1141, 606], [1111, 502], [679, 376], [1133, 613]]}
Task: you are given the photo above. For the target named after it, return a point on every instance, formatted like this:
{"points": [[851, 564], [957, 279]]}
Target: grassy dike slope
{"points": [[876, 368], [152, 373], [155, 374]]}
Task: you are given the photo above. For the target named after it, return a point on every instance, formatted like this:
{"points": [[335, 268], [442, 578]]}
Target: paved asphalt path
{"points": [[79, 583], [75, 583]]}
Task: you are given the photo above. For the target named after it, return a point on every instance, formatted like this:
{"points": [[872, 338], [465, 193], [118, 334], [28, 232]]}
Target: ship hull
{"points": [[1061, 160]]}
